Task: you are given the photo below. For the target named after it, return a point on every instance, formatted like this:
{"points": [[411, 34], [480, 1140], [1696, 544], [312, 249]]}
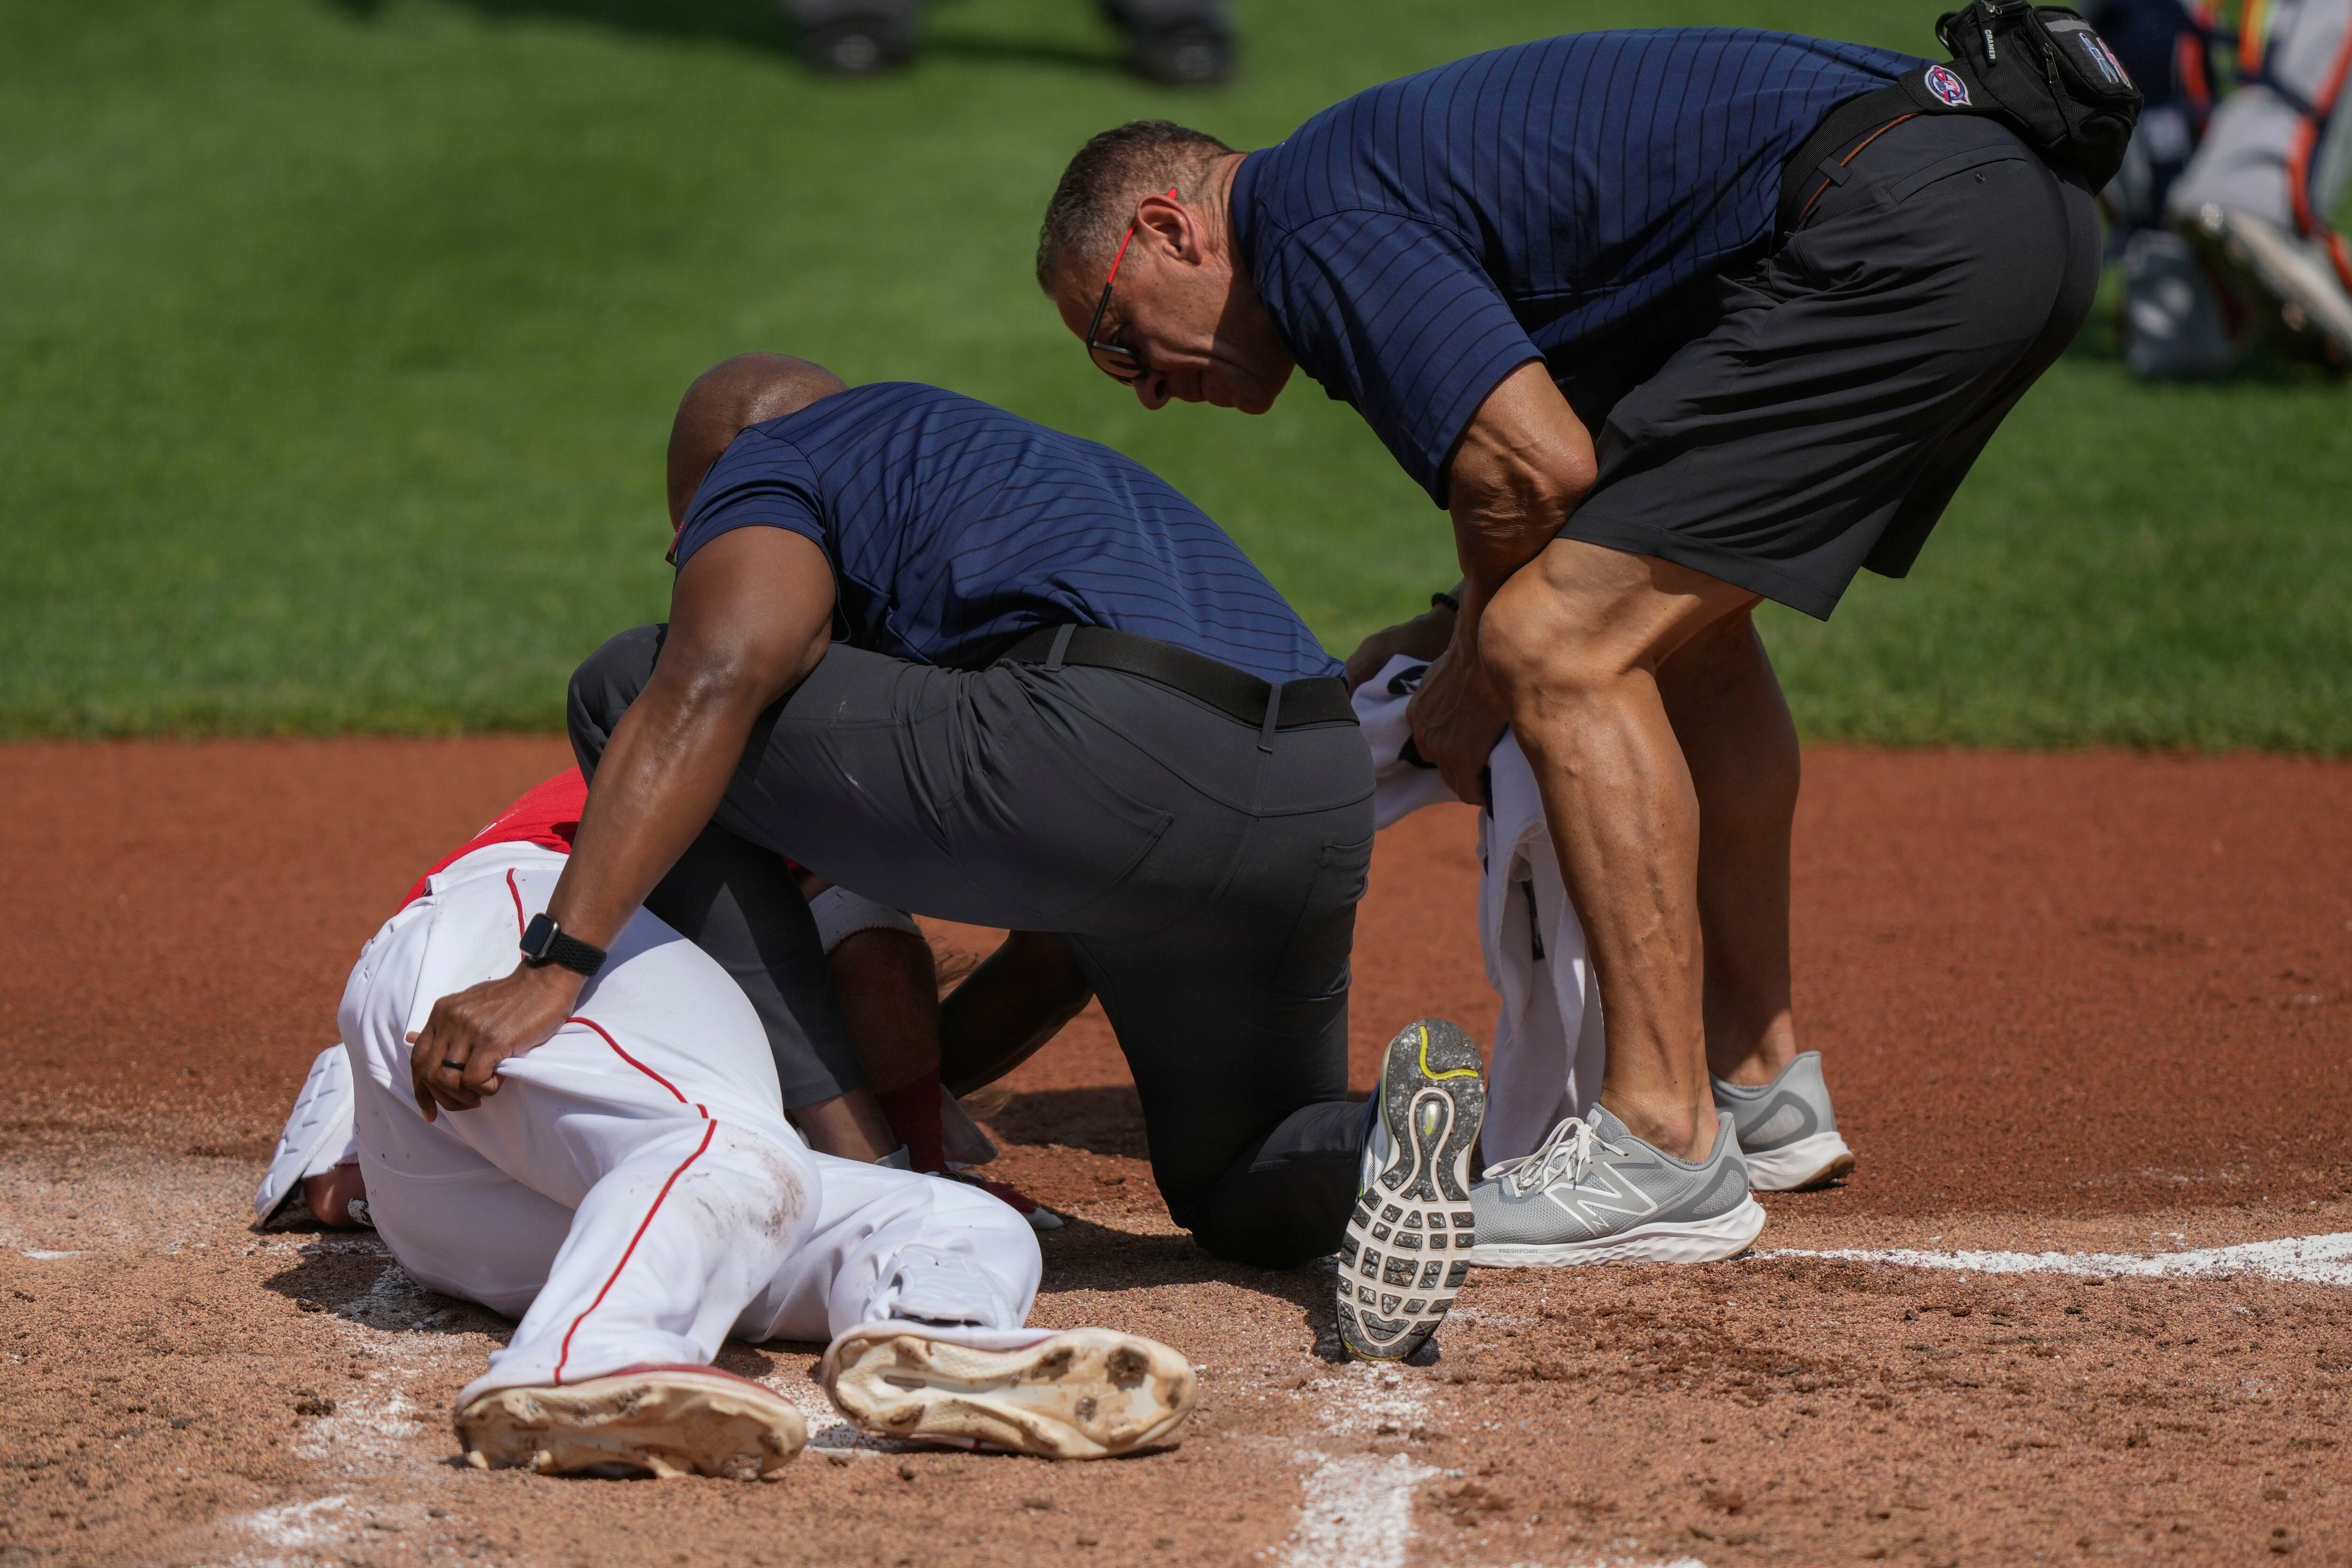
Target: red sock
{"points": [[913, 1113]]}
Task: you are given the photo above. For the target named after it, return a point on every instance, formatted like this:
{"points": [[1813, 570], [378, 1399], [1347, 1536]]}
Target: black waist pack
{"points": [[2040, 69]]}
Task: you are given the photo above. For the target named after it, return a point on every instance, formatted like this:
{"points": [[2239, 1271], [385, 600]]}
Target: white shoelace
{"points": [[1566, 1151]]}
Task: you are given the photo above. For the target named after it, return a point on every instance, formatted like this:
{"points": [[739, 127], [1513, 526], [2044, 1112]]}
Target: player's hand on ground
{"points": [[1423, 637], [1457, 719], [454, 1059]]}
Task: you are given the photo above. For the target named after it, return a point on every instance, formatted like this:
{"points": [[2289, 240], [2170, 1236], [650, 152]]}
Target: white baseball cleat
{"points": [[670, 1420], [1088, 1394]]}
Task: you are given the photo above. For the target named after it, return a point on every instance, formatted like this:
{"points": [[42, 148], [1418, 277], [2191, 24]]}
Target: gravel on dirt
{"points": [[2095, 1004]]}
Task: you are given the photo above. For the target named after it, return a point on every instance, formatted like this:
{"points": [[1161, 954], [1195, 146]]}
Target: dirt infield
{"points": [[2089, 1020]]}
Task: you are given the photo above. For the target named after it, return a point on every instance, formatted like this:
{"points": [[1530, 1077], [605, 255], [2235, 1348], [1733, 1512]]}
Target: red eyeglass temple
{"points": [[1112, 275]]}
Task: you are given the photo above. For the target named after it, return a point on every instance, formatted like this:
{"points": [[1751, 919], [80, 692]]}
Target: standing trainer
{"points": [[1564, 284], [975, 668]]}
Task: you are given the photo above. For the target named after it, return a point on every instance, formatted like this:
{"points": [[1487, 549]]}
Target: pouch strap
{"points": [[1842, 127]]}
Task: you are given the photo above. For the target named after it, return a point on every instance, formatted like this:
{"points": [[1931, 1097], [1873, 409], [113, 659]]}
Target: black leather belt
{"points": [[1293, 705]]}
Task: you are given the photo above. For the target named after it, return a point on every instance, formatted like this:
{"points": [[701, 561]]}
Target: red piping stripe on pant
{"points": [[708, 1129]]}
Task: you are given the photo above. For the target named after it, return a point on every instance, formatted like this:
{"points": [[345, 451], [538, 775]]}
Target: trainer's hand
{"points": [[1457, 719], [1423, 637], [454, 1060]]}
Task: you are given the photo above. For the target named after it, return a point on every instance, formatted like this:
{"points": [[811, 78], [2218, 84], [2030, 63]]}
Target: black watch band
{"points": [[543, 942], [1447, 600]]}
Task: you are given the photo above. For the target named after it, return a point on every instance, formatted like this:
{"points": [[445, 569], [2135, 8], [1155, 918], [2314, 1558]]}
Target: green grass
{"points": [[337, 344]]}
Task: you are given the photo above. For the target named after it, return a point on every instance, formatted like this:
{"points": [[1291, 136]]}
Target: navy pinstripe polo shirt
{"points": [[1418, 242], [952, 524]]}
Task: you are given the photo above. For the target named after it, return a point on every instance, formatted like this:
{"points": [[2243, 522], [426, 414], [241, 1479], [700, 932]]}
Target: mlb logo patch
{"points": [[1949, 89], [2114, 67]]}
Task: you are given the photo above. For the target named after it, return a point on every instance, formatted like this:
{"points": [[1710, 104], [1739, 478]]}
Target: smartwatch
{"points": [[543, 942]]}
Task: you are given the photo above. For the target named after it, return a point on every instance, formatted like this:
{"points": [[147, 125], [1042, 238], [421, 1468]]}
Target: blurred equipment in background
{"points": [[2221, 212], [1184, 43]]}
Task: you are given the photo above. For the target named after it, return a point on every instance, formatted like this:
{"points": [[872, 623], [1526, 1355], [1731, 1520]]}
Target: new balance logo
{"points": [[1600, 1192]]}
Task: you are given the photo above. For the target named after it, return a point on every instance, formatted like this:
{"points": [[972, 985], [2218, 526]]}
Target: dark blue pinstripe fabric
{"points": [[951, 523], [1417, 243]]}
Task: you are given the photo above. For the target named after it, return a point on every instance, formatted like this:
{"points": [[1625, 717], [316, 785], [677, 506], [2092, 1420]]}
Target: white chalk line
{"points": [[366, 1439], [370, 1431], [2294, 1260], [296, 1525], [1355, 1510]]}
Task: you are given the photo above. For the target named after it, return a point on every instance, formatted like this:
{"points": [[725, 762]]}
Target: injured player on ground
{"points": [[632, 1190]]}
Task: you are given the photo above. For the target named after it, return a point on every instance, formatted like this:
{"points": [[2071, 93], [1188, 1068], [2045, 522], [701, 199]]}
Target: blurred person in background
{"points": [[1184, 43], [2222, 210]]}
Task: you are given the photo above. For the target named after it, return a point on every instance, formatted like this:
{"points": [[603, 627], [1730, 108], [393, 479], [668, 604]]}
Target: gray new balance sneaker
{"points": [[1405, 1252], [1594, 1193], [1787, 1130]]}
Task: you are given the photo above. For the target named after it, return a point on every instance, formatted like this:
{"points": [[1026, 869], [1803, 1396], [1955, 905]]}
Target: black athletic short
{"points": [[1833, 395]]}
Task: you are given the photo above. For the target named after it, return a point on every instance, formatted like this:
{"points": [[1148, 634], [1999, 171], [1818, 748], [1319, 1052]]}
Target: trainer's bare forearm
{"points": [[661, 777], [749, 617], [1522, 468]]}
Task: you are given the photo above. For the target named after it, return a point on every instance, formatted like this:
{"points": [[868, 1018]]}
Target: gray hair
{"points": [[1096, 199]]}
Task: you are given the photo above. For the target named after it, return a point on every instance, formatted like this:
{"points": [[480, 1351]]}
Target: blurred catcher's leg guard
{"points": [[2288, 283], [2257, 198]]}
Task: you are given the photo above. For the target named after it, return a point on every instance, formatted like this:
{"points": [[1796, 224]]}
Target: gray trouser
{"points": [[1204, 873]]}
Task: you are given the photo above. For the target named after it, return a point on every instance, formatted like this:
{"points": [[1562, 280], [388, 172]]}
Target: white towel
{"points": [[1549, 1047]]}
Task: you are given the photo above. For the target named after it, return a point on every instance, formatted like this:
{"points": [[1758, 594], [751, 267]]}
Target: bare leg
{"points": [[1741, 747], [1575, 642], [887, 980], [1017, 999], [889, 989], [849, 1126]]}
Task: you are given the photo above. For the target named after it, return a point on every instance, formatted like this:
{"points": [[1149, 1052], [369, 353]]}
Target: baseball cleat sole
{"points": [[1088, 1394], [1405, 1251], [1807, 1161], [670, 1420], [1681, 1242]]}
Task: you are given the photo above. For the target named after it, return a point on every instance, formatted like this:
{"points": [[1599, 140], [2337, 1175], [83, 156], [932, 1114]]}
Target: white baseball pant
{"points": [[633, 1192]]}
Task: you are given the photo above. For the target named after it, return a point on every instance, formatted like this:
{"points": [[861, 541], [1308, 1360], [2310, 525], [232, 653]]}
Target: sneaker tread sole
{"points": [[1405, 1252]]}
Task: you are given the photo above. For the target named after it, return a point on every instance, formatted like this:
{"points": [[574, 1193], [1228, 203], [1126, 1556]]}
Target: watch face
{"points": [[539, 936]]}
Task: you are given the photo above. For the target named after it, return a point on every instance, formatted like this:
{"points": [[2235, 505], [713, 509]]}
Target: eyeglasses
{"points": [[1114, 359]]}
